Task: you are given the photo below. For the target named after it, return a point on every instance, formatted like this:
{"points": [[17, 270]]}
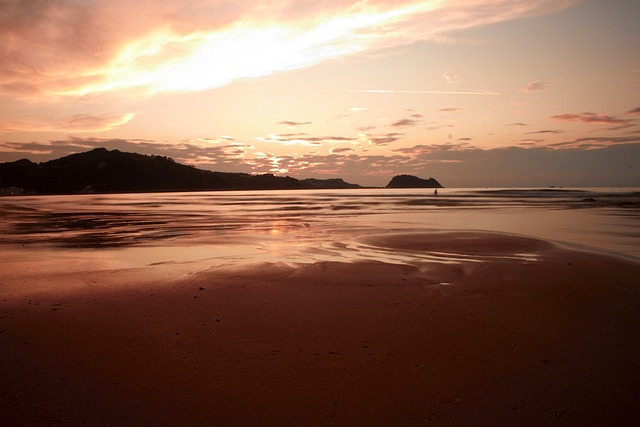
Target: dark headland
{"points": [[410, 181], [113, 171]]}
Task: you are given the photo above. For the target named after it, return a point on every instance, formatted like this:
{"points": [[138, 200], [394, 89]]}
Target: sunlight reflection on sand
{"points": [[179, 233]]}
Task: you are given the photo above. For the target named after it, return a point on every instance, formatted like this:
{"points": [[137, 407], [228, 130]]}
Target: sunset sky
{"points": [[472, 93]]}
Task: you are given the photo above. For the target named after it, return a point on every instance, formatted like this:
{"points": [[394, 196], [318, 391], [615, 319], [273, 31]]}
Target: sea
{"points": [[196, 230]]}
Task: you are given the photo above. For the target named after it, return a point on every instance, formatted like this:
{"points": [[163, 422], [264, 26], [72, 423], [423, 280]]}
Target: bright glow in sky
{"points": [[473, 93]]}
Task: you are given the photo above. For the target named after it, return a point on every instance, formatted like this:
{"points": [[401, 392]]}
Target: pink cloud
{"points": [[590, 118], [75, 123], [533, 87], [459, 164], [452, 78], [406, 123], [73, 48], [381, 140], [291, 124]]}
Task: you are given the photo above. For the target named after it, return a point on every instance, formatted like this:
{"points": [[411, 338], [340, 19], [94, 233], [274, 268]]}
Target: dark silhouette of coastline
{"points": [[104, 171]]}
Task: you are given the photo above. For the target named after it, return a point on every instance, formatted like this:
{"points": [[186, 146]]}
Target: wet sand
{"points": [[504, 330]]}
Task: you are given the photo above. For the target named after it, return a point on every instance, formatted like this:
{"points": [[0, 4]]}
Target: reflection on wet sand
{"points": [[306, 226], [320, 308]]}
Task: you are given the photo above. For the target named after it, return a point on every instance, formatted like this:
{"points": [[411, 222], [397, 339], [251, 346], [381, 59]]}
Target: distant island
{"points": [[113, 171], [410, 181]]}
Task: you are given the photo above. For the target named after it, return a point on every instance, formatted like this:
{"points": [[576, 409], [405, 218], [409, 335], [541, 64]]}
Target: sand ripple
{"points": [[473, 243]]}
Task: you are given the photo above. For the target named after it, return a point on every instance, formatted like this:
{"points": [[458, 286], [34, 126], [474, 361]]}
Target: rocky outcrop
{"points": [[410, 181]]}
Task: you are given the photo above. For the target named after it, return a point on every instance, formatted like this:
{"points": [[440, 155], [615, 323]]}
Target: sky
{"points": [[475, 93]]}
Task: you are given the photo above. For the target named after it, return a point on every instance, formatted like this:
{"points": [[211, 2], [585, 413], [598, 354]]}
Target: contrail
{"points": [[429, 92]]}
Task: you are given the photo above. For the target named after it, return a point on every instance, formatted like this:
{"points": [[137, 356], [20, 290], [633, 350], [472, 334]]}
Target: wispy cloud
{"points": [[304, 139], [453, 164], [338, 150], [551, 131], [380, 140], [292, 124], [533, 87], [451, 77], [450, 40], [406, 123], [590, 143], [418, 92], [431, 149], [590, 118], [634, 111], [450, 109], [60, 48], [76, 123], [530, 141]]}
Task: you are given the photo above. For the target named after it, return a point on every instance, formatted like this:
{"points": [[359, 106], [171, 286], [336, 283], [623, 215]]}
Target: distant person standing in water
{"points": [[435, 192]]}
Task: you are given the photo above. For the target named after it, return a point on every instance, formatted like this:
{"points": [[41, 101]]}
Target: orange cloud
{"points": [[590, 118], [72, 48], [405, 123], [458, 164], [292, 124], [75, 123], [534, 87], [303, 139]]}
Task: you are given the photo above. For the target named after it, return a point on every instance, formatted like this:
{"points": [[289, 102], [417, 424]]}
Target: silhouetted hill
{"points": [[327, 183], [410, 181], [104, 171]]}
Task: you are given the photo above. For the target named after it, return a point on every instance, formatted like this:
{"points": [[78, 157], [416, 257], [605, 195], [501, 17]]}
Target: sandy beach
{"points": [[319, 213], [513, 331]]}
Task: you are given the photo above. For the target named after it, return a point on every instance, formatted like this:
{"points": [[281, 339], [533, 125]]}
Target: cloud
{"points": [[569, 163], [430, 149], [530, 141], [380, 140], [595, 142], [75, 48], [291, 124], [590, 118], [440, 127], [450, 109], [451, 78], [418, 92], [449, 40], [338, 150], [534, 87], [406, 123], [627, 125], [551, 131], [303, 139], [76, 123], [231, 156], [634, 111], [517, 124]]}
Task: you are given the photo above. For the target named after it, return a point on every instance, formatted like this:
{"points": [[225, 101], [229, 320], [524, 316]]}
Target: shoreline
{"points": [[551, 338]]}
